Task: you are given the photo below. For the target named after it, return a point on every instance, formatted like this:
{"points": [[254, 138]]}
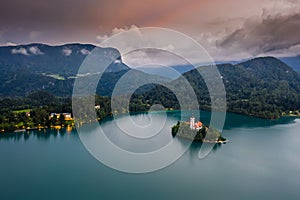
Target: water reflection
{"points": [[196, 146], [42, 134], [232, 121], [242, 121]]}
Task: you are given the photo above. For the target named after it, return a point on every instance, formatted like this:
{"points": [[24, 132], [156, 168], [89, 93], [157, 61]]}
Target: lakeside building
{"points": [[67, 116]]}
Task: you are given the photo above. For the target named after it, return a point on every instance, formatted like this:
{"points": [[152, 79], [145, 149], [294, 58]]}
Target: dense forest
{"points": [[262, 87]]}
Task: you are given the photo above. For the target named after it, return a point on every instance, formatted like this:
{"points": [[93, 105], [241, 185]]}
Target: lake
{"points": [[261, 161]]}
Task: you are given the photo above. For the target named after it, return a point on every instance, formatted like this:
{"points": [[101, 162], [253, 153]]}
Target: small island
{"points": [[197, 131]]}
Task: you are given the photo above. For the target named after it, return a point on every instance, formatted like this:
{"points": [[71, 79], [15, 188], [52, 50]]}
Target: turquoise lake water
{"points": [[261, 161]]}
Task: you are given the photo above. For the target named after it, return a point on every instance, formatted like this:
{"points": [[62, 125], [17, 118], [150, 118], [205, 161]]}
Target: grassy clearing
{"points": [[22, 111]]}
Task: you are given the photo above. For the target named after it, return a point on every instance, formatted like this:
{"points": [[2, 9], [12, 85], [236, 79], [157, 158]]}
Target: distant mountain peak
{"points": [[266, 63], [63, 59]]}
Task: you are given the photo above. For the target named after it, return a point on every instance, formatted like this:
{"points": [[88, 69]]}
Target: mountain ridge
{"points": [[263, 92], [263, 86]]}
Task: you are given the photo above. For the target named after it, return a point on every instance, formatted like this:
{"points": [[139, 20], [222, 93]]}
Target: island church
{"points": [[194, 125]]}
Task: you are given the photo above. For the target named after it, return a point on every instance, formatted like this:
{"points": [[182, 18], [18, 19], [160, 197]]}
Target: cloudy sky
{"points": [[228, 29]]}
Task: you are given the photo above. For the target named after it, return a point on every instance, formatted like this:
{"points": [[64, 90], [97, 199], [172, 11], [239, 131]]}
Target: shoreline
{"points": [[203, 141], [23, 130], [145, 112]]}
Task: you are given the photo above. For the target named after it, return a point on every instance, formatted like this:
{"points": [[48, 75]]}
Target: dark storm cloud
{"points": [[49, 20], [85, 21], [272, 33], [76, 20], [43, 13], [106, 13]]}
